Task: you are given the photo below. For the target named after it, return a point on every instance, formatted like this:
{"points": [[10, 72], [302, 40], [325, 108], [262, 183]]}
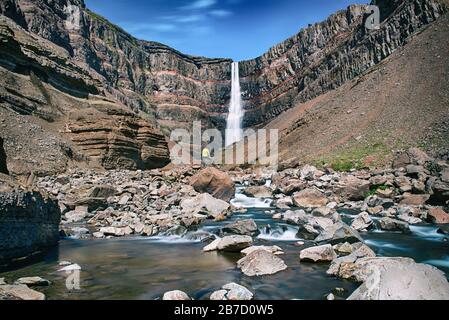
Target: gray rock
{"points": [[175, 295], [390, 224], [112, 231], [205, 203], [445, 175], [337, 233], [330, 297], [75, 216], [234, 243], [310, 198], [307, 172], [98, 235], [322, 212], [219, 295], [78, 232], [362, 222], [241, 227], [272, 249], [237, 292], [414, 170], [33, 281], [352, 188], [261, 262], [213, 246], [258, 192], [398, 279], [124, 200], [19, 292], [324, 253], [360, 250], [284, 203]]}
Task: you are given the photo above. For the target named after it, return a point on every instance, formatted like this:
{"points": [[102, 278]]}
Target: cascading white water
{"points": [[234, 132]]}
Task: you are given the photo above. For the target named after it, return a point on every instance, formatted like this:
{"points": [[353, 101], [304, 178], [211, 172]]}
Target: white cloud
{"points": [[190, 18], [144, 27], [199, 4], [220, 13]]}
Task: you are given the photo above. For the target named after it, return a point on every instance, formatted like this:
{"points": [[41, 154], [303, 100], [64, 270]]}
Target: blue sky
{"points": [[237, 29]]}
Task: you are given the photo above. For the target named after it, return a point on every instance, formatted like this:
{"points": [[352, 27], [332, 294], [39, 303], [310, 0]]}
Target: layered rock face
{"points": [[140, 74], [29, 221], [45, 87], [66, 59], [116, 138], [328, 54]]}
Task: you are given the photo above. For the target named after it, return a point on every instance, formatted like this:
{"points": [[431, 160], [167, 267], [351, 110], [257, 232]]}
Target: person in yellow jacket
{"points": [[206, 157]]}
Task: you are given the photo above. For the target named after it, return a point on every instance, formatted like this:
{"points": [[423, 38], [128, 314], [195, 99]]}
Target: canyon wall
{"points": [[143, 75], [324, 56], [93, 93]]}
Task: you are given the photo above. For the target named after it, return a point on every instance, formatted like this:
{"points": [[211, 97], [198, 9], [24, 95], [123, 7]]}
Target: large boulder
{"points": [[309, 226], [33, 281], [352, 188], [271, 249], [438, 216], [338, 266], [175, 295], [19, 292], [260, 263], [307, 172], [414, 199], [310, 198], [258, 192], [337, 233], [215, 182], [363, 221], [397, 279], [411, 156], [234, 243], [284, 203], [242, 227], [390, 224], [102, 191], [205, 203], [324, 253], [232, 291]]}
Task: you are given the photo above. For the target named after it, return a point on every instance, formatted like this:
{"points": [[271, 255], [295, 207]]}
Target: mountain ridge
{"points": [[68, 59]]}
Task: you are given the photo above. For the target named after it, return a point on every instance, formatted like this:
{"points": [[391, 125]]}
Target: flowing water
{"points": [[234, 132], [145, 268]]}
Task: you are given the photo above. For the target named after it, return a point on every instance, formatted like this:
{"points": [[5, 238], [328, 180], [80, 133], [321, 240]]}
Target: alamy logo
{"points": [[373, 20], [73, 279]]}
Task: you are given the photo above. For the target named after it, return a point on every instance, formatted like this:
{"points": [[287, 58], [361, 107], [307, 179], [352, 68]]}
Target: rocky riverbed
{"points": [[299, 233]]}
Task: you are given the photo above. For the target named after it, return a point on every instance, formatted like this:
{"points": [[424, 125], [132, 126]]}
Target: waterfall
{"points": [[234, 132]]}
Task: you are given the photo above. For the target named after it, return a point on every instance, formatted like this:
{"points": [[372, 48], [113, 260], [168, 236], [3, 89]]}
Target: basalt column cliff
{"points": [[78, 90], [325, 55], [86, 91]]}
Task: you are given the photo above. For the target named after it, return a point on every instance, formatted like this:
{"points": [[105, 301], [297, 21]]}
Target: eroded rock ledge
{"points": [[29, 221]]}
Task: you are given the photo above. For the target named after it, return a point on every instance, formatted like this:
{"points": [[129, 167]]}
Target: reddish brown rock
{"points": [[414, 199], [215, 182], [117, 139], [310, 198], [438, 216], [352, 188]]}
